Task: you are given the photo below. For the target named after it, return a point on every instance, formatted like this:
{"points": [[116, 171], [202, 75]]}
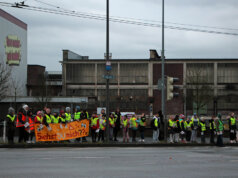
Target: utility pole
{"points": [[107, 80], [163, 77]]}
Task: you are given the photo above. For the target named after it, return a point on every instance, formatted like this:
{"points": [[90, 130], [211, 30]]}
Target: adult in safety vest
{"points": [[125, 122], [194, 126], [94, 124], [21, 123], [232, 127], [219, 129], [155, 126], [77, 116], [202, 125], [102, 127], [134, 126], [111, 126], [84, 115], [188, 124], [142, 125], [30, 128], [68, 114], [47, 118], [11, 119], [212, 126], [177, 129]]}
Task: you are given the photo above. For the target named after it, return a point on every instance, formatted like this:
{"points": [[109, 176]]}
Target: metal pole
{"points": [[107, 59], [4, 131], [163, 77]]}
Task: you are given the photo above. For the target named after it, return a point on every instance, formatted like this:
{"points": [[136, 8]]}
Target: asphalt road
{"points": [[120, 162]]}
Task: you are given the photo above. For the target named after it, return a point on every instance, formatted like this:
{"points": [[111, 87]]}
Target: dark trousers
{"points": [[94, 135], [133, 135], [10, 135], [188, 136], [220, 140], [212, 136], [23, 136], [142, 132], [101, 135], [115, 131], [203, 138], [233, 135]]}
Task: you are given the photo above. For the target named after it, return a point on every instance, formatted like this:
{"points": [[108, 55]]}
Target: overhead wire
{"points": [[113, 19]]}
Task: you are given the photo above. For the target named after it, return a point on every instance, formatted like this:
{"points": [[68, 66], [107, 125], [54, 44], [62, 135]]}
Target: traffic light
{"points": [[170, 87]]}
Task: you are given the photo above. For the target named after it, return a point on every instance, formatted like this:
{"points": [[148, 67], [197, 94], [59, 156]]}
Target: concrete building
{"points": [[205, 85], [13, 51]]}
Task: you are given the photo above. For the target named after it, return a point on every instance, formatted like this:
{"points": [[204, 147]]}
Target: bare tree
{"points": [[198, 88], [43, 94], [5, 73], [16, 89]]}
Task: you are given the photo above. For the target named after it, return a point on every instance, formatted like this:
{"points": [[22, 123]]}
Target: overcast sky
{"points": [[48, 34]]}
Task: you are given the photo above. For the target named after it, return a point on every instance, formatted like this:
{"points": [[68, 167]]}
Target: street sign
{"points": [[108, 76], [108, 66]]}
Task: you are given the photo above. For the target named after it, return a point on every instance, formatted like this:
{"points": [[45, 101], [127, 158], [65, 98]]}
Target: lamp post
{"points": [[163, 77], [107, 80]]}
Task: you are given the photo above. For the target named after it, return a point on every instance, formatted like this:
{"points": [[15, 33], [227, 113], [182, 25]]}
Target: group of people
{"points": [[180, 128], [185, 130]]}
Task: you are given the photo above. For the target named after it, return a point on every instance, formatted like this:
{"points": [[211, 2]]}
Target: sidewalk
{"points": [[148, 143]]}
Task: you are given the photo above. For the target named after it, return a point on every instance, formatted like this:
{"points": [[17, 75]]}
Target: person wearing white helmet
{"points": [[21, 123]]}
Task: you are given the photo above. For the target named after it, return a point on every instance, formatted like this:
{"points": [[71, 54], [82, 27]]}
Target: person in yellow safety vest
{"points": [[47, 118], [171, 129], [142, 127], [232, 128], [77, 116], [182, 128], [68, 114], [55, 118], [111, 126], [155, 127], [39, 117], [188, 123], [125, 122], [194, 126], [102, 127], [134, 126], [10, 119], [212, 126], [202, 125], [94, 127], [219, 129]]}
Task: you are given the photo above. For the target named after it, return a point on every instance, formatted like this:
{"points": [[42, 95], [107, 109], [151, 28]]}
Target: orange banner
{"points": [[59, 132]]}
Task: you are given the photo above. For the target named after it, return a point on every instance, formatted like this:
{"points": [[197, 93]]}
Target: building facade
{"points": [[13, 51], [205, 86]]}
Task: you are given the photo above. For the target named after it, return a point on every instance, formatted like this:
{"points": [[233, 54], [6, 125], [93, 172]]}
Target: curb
{"points": [[88, 145]]}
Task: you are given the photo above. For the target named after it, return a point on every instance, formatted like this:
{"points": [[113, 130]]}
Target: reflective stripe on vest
{"points": [[203, 126], [48, 119], [77, 115], [62, 119], [40, 119], [31, 125], [233, 121], [55, 120], [68, 116], [94, 121], [12, 118]]}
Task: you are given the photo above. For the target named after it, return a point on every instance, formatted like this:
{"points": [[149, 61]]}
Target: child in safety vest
{"points": [[134, 126], [102, 127], [125, 122], [111, 126], [171, 129], [94, 127], [203, 129], [39, 117], [30, 128]]}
